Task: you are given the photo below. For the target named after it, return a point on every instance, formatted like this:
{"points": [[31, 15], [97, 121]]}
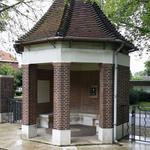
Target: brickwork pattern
{"points": [[29, 94], [61, 96], [81, 81], [6, 91], [123, 94], [106, 96]]}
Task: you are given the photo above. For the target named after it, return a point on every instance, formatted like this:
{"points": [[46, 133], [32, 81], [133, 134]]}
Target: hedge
{"points": [[136, 96]]}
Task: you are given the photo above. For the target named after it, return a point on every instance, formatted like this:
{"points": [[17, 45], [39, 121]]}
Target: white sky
{"points": [[137, 63]]}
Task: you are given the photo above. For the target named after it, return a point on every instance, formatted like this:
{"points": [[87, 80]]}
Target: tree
{"points": [[17, 17], [147, 66], [132, 17], [6, 69]]}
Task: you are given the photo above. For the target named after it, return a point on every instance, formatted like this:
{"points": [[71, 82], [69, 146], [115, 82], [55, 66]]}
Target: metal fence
{"points": [[139, 124], [14, 110]]}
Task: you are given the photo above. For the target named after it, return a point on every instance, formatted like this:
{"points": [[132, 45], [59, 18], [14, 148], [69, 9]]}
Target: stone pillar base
{"points": [[29, 131], [61, 137], [3, 117], [122, 130], [105, 135]]}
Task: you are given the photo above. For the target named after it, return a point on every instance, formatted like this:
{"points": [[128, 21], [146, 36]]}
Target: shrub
{"points": [[136, 96], [18, 93]]}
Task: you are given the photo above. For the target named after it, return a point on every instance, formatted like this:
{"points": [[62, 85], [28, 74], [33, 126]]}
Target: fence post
{"points": [[133, 123]]}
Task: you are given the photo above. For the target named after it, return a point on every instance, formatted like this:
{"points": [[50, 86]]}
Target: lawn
{"points": [[143, 105]]}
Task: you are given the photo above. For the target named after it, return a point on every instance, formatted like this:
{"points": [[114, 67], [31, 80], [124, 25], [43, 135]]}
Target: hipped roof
{"points": [[73, 20]]}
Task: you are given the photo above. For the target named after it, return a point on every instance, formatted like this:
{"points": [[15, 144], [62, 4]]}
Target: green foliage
{"points": [[129, 13], [18, 78], [133, 96], [137, 76], [136, 96], [6, 69], [140, 73], [133, 17], [18, 93], [147, 66]]}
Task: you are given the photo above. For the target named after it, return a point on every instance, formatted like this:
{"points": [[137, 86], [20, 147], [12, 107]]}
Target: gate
{"points": [[14, 110], [139, 124]]}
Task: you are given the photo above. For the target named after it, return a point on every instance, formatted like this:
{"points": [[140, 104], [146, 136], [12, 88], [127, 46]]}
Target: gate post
{"points": [[6, 91], [133, 123]]}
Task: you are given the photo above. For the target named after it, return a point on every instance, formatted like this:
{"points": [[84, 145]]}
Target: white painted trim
{"points": [[61, 137], [29, 131], [6, 76], [82, 53], [123, 60], [3, 117]]}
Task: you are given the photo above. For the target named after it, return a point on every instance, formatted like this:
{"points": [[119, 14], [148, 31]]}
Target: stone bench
{"points": [[46, 120]]}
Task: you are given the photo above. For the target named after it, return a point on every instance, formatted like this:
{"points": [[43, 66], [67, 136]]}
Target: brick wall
{"points": [[29, 94], [139, 83], [81, 81], [6, 91], [123, 94], [106, 96], [61, 101]]}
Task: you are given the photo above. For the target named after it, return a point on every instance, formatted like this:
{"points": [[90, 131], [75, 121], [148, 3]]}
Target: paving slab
{"points": [[10, 139]]}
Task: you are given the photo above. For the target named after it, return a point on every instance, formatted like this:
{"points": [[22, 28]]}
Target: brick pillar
{"points": [[105, 133], [29, 128], [123, 101], [61, 134], [6, 91]]}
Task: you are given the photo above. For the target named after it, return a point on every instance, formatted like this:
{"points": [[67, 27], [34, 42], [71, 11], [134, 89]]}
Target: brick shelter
{"points": [[69, 71]]}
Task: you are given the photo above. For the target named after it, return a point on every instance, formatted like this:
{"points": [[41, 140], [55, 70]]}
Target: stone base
{"points": [[29, 131], [3, 117], [105, 135], [61, 137], [122, 130]]}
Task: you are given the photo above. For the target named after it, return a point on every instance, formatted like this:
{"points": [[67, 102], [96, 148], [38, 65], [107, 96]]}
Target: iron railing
{"points": [[139, 123], [14, 110]]}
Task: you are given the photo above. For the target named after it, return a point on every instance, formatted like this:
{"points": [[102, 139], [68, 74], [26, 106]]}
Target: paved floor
{"points": [[10, 139], [80, 135]]}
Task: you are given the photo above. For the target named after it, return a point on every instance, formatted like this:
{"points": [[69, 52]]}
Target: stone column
{"points": [[29, 128], [61, 133], [105, 133], [6, 91]]}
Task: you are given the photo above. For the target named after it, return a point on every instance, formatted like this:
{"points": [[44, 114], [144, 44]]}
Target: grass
{"points": [[143, 105]]}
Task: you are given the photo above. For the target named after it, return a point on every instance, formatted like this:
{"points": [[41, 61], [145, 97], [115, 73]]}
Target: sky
{"points": [[137, 63]]}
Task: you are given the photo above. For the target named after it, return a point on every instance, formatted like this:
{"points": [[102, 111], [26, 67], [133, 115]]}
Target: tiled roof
{"points": [[4, 56], [75, 19]]}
